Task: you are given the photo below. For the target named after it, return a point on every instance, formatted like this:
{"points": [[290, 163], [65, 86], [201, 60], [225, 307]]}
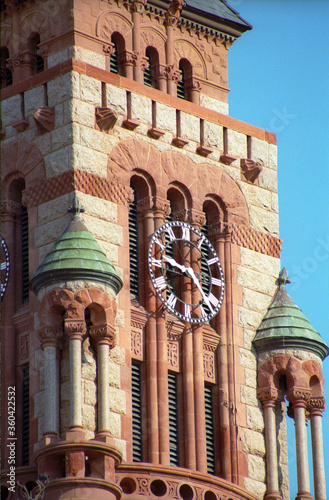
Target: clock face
{"points": [[5, 265], [186, 272]]}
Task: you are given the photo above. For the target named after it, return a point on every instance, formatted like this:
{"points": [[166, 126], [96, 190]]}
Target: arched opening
{"points": [[183, 85], [6, 75], [116, 64], [37, 61], [150, 73]]}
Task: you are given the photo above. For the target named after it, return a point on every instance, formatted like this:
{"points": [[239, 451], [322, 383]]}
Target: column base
{"points": [[304, 495], [273, 495]]}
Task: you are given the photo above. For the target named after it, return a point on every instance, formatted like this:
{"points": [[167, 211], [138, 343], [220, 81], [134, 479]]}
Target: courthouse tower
{"points": [[147, 340]]}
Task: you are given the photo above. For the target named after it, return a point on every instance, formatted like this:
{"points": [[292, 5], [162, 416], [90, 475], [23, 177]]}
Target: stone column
{"points": [[49, 338], [137, 8], [75, 329], [298, 398], [316, 407], [172, 16], [193, 87], [104, 335], [268, 397]]}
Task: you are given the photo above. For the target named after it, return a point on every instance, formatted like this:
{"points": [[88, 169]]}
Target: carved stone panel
{"points": [[209, 366]]}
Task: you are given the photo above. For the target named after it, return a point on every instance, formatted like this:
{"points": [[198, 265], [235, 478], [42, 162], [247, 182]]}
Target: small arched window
{"points": [[182, 87], [150, 73], [6, 75], [118, 43], [38, 64]]}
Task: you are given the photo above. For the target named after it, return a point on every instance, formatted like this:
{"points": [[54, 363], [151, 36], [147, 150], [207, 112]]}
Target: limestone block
{"points": [[111, 251], [259, 150], [264, 221], [141, 108], [99, 208], [247, 359], [268, 180], [214, 104], [91, 90], [11, 110], [248, 396], [256, 468], [64, 136], [256, 281], [213, 135], [120, 317], [39, 404], [253, 442], [255, 301], [50, 232], [90, 434], [86, 159], [97, 140], [89, 417], [57, 162], [275, 203], [260, 262], [114, 375], [255, 487], [166, 117], [116, 99], [248, 337], [54, 209], [89, 392], [33, 99], [256, 196], [118, 402], [43, 142], [80, 112], [190, 127], [272, 156], [237, 144], [59, 115], [250, 378], [104, 230], [255, 418], [89, 57], [115, 424], [63, 88], [249, 319], [57, 57], [118, 355]]}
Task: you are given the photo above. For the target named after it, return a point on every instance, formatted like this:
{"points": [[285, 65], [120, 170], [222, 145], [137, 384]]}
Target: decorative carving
{"points": [[130, 124], [138, 6], [24, 347], [315, 404], [267, 395], [298, 395], [174, 11], [105, 118], [209, 366], [45, 118], [173, 490], [50, 336], [180, 142], [145, 204], [173, 354], [109, 49], [251, 169], [204, 150], [127, 57], [137, 344], [143, 485], [12, 208], [162, 206], [103, 334], [227, 159], [74, 328]]}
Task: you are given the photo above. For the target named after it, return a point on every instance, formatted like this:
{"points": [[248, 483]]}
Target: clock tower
{"points": [[148, 344]]}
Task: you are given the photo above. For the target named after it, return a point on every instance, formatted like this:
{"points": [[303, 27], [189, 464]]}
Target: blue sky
{"points": [[279, 81]]}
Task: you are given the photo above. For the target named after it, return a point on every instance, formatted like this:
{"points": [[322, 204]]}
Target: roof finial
{"points": [[283, 277], [76, 208]]}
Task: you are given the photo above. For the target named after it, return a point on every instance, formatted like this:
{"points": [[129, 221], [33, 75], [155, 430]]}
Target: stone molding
{"points": [[103, 334], [50, 336], [75, 328]]}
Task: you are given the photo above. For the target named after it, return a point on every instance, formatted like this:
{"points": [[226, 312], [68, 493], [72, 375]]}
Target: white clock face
{"points": [[5, 267], [186, 272]]}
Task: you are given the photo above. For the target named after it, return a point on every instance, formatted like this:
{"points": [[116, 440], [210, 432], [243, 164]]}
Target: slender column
{"points": [[268, 397], [145, 207], [172, 17], [49, 339], [316, 407], [75, 330], [162, 210], [137, 8], [298, 399], [104, 336]]}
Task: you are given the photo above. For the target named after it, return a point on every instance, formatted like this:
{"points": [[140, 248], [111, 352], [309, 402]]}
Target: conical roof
{"points": [[76, 256], [284, 326]]}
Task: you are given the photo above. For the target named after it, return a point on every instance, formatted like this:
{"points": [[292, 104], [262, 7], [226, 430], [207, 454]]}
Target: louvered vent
{"points": [[25, 415], [181, 86], [133, 248], [210, 429], [9, 77], [114, 59], [136, 394], [148, 72], [25, 254], [173, 419]]}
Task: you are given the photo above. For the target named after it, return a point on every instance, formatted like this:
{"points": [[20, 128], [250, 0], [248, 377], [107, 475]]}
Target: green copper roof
{"points": [[76, 256], [284, 326]]}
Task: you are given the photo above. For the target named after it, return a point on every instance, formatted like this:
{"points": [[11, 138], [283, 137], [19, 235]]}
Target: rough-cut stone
{"points": [[54, 209], [117, 355], [256, 281], [91, 90], [39, 399], [89, 392], [97, 140], [237, 144], [214, 104], [104, 230], [89, 57], [247, 359], [80, 112], [259, 150], [115, 424], [253, 442], [11, 110], [256, 468], [190, 127], [89, 417], [268, 180], [272, 156], [249, 319], [50, 232], [117, 400], [255, 487], [97, 207], [64, 136], [114, 374], [141, 109], [262, 263], [255, 418], [57, 162], [264, 221], [166, 118], [63, 88], [33, 99], [116, 99], [248, 396], [43, 142], [88, 160], [256, 196], [58, 57], [250, 378], [213, 135], [256, 301]]}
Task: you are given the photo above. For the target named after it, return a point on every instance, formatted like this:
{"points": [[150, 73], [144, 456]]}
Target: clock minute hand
{"points": [[191, 272], [174, 263]]}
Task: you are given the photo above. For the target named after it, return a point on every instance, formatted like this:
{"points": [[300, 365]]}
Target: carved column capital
{"points": [[193, 84], [103, 334], [138, 6], [316, 406], [162, 206], [109, 49], [181, 215], [145, 205], [268, 396], [128, 58], [11, 208], [197, 218], [50, 336], [298, 396], [75, 328]]}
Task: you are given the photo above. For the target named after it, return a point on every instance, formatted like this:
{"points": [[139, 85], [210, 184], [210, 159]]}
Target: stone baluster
{"points": [[104, 336], [75, 329], [268, 398], [315, 407], [298, 399], [50, 338]]}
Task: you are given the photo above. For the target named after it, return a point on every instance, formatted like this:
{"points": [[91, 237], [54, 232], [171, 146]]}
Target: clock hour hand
{"points": [[174, 263], [191, 272]]}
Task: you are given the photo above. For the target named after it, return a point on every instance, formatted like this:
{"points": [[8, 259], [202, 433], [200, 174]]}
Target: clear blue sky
{"points": [[279, 81]]}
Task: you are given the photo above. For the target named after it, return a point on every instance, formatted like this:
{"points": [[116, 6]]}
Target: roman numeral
{"points": [[216, 281], [161, 245], [156, 262], [212, 261], [171, 233], [185, 233], [213, 300], [172, 299], [187, 311], [160, 282], [201, 240]]}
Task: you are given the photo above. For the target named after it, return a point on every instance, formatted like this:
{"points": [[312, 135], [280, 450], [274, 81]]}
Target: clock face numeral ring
{"points": [[5, 267], [181, 258]]}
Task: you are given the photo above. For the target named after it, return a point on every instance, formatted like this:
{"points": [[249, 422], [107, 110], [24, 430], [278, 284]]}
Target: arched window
{"points": [[37, 63], [6, 75], [150, 73], [116, 65], [182, 87]]}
